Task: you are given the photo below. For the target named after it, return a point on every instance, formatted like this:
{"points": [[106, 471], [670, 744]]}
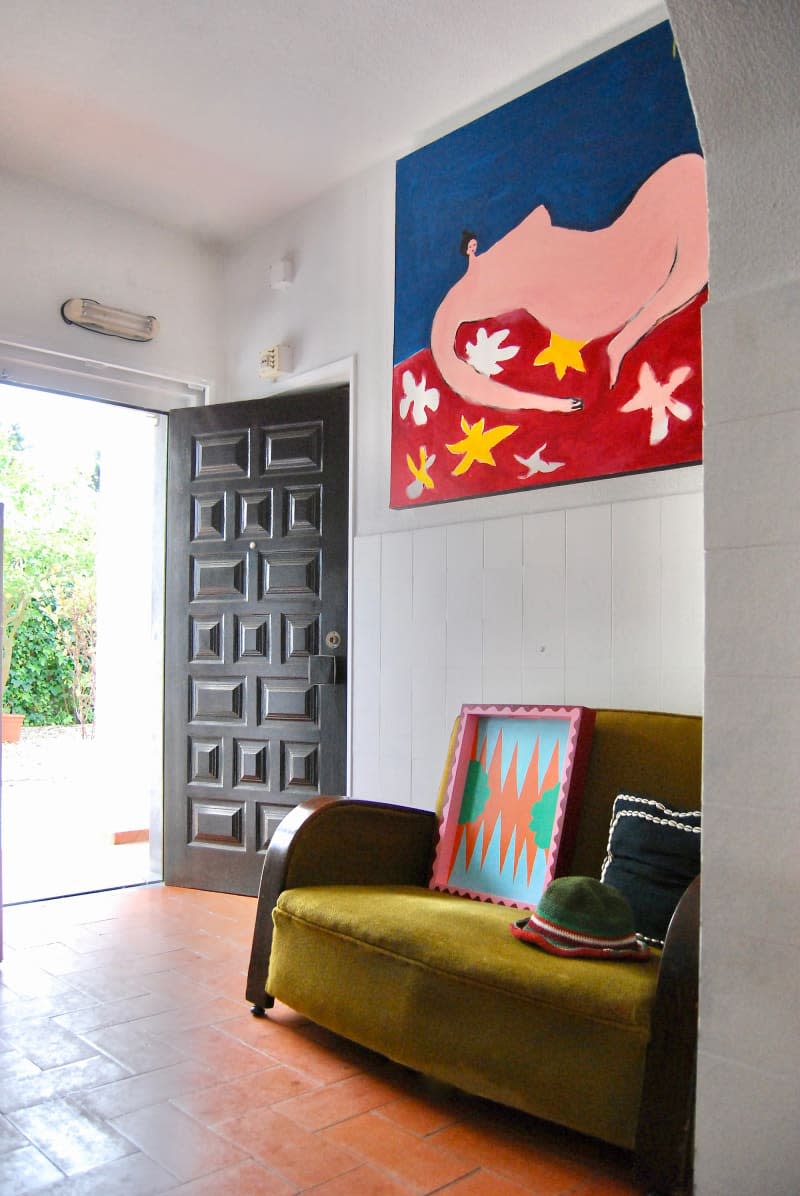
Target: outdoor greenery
{"points": [[49, 606], [41, 678]]}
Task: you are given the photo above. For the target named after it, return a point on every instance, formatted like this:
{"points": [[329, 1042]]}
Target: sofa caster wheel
{"points": [[258, 1011]]}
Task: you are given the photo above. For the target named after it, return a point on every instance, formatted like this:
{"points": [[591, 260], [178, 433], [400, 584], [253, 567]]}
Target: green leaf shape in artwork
{"points": [[543, 814], [475, 795]]}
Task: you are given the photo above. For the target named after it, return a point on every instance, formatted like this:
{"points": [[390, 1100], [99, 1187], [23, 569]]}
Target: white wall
{"points": [[54, 245], [599, 605], [741, 61]]}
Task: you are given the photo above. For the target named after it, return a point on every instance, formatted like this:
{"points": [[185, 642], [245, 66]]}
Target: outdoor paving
{"points": [[58, 819]]}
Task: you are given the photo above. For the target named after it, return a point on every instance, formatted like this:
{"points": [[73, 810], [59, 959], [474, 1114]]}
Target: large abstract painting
{"points": [[513, 796], [551, 261]]}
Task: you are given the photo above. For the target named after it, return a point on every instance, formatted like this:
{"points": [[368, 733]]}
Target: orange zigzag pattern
{"points": [[508, 804]]}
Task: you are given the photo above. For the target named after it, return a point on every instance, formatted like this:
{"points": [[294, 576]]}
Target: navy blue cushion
{"points": [[653, 855]]}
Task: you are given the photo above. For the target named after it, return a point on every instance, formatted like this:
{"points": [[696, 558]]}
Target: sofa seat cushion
{"points": [[438, 983], [460, 937]]}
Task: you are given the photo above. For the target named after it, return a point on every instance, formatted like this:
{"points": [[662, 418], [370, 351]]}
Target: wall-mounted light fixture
{"points": [[275, 361], [111, 321]]}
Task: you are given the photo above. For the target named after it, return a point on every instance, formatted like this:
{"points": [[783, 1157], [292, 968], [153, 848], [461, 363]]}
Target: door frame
{"points": [[33, 368], [140, 807], [87, 378]]}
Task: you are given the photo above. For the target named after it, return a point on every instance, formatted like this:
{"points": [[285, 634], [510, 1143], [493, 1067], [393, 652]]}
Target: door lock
{"points": [[333, 640]]}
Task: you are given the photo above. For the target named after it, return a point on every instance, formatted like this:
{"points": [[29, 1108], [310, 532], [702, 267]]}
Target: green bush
{"points": [[48, 625], [40, 681]]}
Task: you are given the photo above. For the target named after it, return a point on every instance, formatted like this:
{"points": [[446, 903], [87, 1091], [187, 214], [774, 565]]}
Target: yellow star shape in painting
{"points": [[420, 472], [563, 353], [477, 444]]}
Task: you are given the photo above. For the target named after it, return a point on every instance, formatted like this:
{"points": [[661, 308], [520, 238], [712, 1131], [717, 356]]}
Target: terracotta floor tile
{"points": [[224, 979], [238, 1097], [46, 1044], [190, 1013], [79, 937], [246, 1179], [14, 1065], [177, 1142], [514, 1157], [133, 1049], [144, 964], [27, 1170], [10, 1137], [284, 1015], [486, 1183], [427, 1110], [294, 1048], [224, 1055], [336, 1102], [256, 1031], [59, 1081], [26, 979], [109, 983], [134, 1175], [114, 1012], [171, 985], [54, 958], [410, 1159], [136, 1092], [70, 1137], [212, 951], [358, 1056], [27, 1007], [304, 1159], [364, 1181]]}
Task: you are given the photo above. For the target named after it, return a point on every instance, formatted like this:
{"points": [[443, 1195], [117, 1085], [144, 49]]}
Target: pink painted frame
{"points": [[565, 732]]}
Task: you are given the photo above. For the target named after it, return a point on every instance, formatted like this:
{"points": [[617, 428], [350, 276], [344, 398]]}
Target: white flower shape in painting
{"points": [[537, 464], [417, 398], [658, 398], [484, 354]]}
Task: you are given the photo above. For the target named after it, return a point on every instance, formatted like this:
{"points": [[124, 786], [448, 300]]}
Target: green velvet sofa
{"points": [[348, 933]]}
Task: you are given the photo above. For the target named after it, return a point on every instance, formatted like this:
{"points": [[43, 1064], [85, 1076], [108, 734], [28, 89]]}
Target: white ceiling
{"points": [[216, 116]]}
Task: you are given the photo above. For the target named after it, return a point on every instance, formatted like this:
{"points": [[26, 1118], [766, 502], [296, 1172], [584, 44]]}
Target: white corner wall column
{"points": [[741, 64]]}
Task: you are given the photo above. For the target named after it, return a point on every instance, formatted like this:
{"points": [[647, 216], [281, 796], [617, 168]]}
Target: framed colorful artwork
{"points": [[551, 261], [508, 820]]}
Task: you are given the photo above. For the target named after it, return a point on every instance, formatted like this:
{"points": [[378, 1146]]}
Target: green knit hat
{"points": [[582, 917]]}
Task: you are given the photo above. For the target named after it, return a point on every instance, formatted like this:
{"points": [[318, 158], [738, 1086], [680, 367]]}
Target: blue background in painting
{"points": [[581, 145], [523, 734]]}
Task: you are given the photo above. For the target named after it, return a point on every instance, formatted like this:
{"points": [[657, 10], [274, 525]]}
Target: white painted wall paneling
{"points": [[636, 604], [397, 663], [543, 611], [588, 667], [427, 649], [365, 668], [502, 610]]}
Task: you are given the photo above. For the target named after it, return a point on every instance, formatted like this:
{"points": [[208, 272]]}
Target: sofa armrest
{"points": [[337, 840], [665, 1135]]}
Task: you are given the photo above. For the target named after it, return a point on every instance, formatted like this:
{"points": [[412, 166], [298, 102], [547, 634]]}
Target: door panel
{"points": [[257, 540]]}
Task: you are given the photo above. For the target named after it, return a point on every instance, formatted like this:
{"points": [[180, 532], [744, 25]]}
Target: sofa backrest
{"points": [[641, 752]]}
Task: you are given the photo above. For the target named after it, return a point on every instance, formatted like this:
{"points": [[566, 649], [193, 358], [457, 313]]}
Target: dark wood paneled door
{"points": [[256, 628]]}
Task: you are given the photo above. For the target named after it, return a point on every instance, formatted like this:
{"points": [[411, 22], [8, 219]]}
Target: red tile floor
{"points": [[130, 1062]]}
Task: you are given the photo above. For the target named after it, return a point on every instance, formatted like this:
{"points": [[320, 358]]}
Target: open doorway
{"points": [[83, 485]]}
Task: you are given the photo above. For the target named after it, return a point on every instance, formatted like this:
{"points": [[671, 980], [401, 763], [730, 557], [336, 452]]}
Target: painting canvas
{"points": [[551, 261], [513, 795]]}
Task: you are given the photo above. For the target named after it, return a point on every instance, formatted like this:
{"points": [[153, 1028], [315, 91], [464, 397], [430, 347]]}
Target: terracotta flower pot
{"points": [[12, 727]]}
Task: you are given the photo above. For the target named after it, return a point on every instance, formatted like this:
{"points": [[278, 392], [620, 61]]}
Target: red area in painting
{"points": [[598, 441]]}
